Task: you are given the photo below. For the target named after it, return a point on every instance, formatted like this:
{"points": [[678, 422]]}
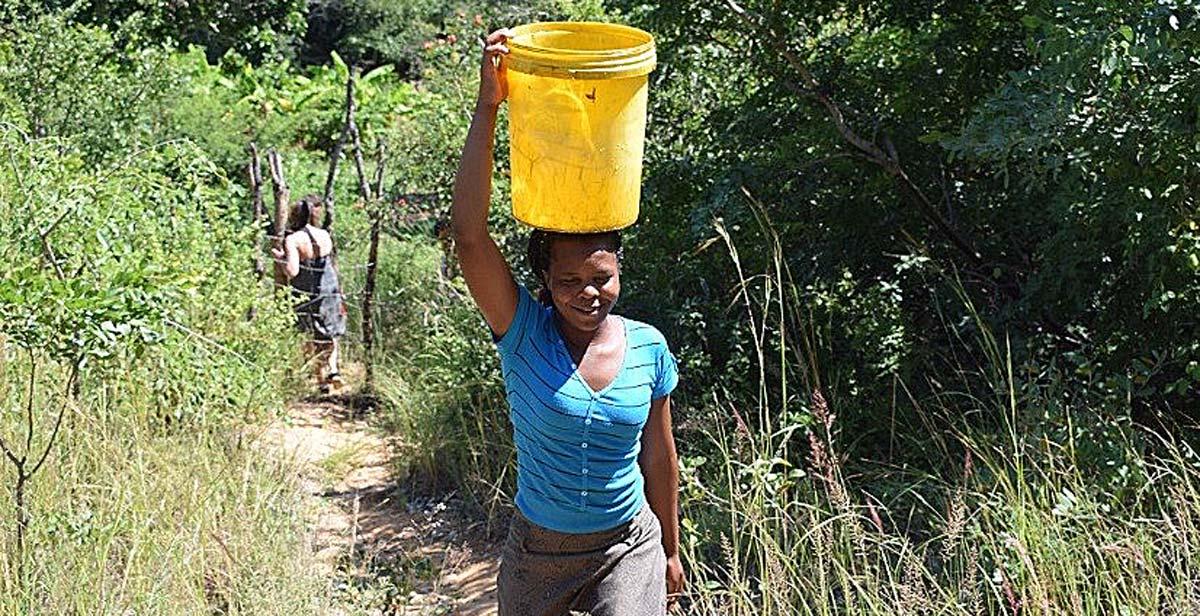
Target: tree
{"points": [[257, 29]]}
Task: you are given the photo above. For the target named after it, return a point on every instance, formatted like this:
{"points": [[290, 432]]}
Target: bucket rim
{"points": [[613, 63], [577, 230]]}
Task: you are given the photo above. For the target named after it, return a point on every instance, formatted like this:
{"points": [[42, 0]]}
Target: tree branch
{"points": [[29, 407], [254, 171], [889, 161], [58, 420], [380, 160], [375, 211], [44, 236], [364, 187]]}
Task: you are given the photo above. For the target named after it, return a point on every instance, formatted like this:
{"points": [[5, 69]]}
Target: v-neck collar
{"points": [[575, 373]]}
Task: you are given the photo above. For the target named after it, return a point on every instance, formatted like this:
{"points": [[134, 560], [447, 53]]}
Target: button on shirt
{"points": [[577, 449]]}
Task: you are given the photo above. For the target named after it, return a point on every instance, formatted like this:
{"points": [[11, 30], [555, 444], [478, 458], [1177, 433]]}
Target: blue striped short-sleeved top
{"points": [[577, 449]]}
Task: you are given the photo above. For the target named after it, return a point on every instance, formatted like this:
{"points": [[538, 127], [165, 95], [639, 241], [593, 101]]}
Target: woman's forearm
{"points": [[661, 471], [473, 184]]}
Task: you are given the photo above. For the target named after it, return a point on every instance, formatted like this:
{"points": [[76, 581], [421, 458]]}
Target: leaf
{"points": [[932, 137], [1126, 32], [382, 71], [339, 64], [1109, 65]]}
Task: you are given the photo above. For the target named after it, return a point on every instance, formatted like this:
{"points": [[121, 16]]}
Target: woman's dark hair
{"points": [[537, 254], [302, 211]]}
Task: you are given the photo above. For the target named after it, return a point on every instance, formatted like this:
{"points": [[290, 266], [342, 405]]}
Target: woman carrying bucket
{"points": [[596, 527]]}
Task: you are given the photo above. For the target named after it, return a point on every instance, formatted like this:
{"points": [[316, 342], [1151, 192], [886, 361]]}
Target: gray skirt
{"points": [[618, 572]]}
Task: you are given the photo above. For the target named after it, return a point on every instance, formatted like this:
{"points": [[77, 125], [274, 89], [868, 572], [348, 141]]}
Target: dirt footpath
{"points": [[385, 551]]}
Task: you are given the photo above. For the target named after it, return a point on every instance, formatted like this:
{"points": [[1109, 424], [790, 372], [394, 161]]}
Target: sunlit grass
{"points": [[134, 515]]}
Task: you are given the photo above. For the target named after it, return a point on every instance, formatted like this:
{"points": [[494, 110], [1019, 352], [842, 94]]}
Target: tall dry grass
{"points": [[142, 511], [1023, 523]]}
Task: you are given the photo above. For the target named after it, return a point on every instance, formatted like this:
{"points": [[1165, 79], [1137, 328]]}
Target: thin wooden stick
{"points": [[254, 171], [336, 155], [373, 208], [282, 198], [364, 187]]}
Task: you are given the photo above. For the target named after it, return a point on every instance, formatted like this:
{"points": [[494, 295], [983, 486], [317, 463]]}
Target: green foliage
{"points": [[132, 258], [261, 31], [67, 307], [1027, 125], [441, 380], [104, 263], [75, 83], [376, 32], [1107, 218]]}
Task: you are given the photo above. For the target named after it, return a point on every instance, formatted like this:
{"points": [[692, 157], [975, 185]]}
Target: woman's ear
{"points": [[544, 296]]}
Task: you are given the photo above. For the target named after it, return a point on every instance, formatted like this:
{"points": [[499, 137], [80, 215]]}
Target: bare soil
{"points": [[385, 550]]}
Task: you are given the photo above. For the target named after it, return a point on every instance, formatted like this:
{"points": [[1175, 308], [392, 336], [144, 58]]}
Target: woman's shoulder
{"points": [[320, 234], [307, 235], [295, 238], [643, 334]]}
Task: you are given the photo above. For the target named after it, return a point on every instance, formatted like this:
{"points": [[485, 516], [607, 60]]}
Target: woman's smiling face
{"points": [[584, 279]]}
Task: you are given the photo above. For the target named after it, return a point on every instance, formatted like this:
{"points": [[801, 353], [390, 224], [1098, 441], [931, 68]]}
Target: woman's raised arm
{"points": [[484, 268]]}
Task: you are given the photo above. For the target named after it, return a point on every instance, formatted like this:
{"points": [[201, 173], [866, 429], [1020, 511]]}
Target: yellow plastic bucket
{"points": [[577, 123]]}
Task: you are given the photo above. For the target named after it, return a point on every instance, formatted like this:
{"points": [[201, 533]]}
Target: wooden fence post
{"points": [[373, 210], [282, 197], [254, 171]]}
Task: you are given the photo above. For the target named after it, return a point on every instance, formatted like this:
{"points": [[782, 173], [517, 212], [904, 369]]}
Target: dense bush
{"points": [[262, 31], [1018, 126]]}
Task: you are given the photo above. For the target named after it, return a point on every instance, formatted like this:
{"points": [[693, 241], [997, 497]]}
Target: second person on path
{"points": [[307, 260]]}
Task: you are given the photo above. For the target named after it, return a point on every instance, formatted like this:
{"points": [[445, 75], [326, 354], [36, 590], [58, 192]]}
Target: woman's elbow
{"points": [[659, 455], [466, 237], [458, 230]]}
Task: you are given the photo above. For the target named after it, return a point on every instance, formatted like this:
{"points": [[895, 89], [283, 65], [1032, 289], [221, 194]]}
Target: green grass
{"points": [[133, 515], [1021, 530], [342, 460], [1036, 506]]}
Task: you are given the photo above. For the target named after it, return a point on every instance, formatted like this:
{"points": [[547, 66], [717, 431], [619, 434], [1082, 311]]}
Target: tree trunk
{"points": [[22, 524], [373, 210]]}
